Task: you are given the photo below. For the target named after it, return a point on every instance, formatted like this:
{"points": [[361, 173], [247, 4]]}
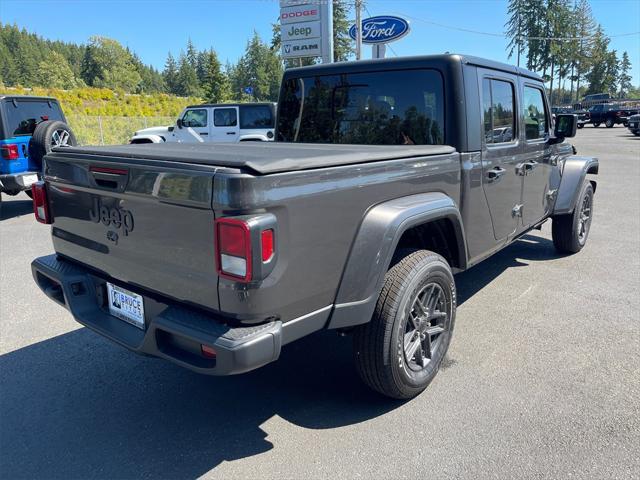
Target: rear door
{"points": [[539, 162], [501, 151], [225, 125]]}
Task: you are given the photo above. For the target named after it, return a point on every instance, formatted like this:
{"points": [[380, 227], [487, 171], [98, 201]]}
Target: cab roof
{"points": [[411, 62], [237, 104], [27, 97]]}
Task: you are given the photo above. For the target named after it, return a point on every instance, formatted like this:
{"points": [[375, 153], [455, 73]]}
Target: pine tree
{"points": [[260, 68], [624, 79], [192, 55], [187, 79], [170, 74], [215, 82], [597, 74]]}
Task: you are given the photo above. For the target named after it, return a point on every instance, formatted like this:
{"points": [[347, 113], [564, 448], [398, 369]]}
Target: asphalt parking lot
{"points": [[542, 378]]}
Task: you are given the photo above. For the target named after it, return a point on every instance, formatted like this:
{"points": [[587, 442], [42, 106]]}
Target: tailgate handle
{"points": [[109, 178]]}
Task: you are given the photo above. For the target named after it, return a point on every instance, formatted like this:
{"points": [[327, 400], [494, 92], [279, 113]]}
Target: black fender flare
{"points": [[574, 172], [374, 247]]}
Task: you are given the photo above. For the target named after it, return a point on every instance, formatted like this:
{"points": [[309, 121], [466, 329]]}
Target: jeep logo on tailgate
{"points": [[118, 218]]}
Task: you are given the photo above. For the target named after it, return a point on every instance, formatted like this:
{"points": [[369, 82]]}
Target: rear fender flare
{"points": [[574, 172], [375, 245]]}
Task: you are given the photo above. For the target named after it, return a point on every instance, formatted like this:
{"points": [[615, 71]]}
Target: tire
{"points": [[570, 232], [49, 134], [596, 124], [609, 123], [382, 357], [580, 125]]}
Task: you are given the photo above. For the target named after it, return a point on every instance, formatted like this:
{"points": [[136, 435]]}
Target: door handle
{"points": [[203, 134], [495, 173], [524, 168], [231, 133]]}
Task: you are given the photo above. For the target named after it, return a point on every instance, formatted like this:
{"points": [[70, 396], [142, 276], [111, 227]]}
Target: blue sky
{"points": [[154, 27]]}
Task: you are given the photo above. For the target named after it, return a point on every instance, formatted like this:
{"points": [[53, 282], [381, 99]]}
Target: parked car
{"points": [[216, 123], [634, 124], [29, 128], [583, 117], [382, 186], [610, 115]]}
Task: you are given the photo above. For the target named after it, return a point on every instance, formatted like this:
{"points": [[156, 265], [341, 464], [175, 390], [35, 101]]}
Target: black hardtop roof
{"points": [[408, 62], [27, 97], [237, 104], [259, 157]]}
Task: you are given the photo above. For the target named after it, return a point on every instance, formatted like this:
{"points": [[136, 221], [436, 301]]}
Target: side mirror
{"points": [[179, 123], [565, 126]]}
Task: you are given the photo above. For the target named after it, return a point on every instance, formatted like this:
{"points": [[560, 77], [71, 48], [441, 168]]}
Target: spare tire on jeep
{"points": [[49, 134]]}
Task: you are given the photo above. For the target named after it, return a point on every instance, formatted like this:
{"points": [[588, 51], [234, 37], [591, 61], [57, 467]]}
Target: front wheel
{"points": [[399, 352], [596, 124], [609, 123], [570, 232], [580, 125]]}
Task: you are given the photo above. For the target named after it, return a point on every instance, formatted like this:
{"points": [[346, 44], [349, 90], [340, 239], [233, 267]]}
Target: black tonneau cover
{"points": [[260, 157]]}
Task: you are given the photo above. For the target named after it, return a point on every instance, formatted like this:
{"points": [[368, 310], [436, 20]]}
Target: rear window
{"points": [[374, 108], [22, 116], [256, 116]]}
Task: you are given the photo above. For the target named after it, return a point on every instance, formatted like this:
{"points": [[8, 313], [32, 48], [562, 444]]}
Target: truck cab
{"points": [[216, 123]]}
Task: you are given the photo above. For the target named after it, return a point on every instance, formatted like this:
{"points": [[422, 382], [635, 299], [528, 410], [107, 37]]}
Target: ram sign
{"points": [[381, 29]]}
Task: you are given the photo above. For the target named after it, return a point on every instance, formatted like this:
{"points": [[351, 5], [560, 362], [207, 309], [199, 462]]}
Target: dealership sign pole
{"points": [[306, 29], [380, 30]]}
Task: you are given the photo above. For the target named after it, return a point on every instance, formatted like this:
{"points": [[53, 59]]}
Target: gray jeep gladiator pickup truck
{"points": [[387, 177]]}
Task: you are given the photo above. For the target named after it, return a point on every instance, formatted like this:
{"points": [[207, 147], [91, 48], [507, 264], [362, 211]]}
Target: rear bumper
{"points": [[171, 331], [15, 182]]}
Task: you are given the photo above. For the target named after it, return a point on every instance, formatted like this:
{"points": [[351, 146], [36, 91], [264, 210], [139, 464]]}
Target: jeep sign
{"points": [[381, 29], [300, 31]]}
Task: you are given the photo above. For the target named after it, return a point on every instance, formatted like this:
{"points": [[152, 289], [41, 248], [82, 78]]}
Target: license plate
{"points": [[28, 180], [126, 305]]}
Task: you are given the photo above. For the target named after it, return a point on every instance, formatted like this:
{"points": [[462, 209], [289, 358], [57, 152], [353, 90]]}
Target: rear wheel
{"points": [[596, 124], [580, 125], [570, 232], [609, 123], [399, 352]]}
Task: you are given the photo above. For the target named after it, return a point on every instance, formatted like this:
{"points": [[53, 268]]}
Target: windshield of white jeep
{"points": [[375, 108], [22, 116]]}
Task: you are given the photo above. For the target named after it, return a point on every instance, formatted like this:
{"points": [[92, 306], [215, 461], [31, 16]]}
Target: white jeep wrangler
{"points": [[227, 122]]}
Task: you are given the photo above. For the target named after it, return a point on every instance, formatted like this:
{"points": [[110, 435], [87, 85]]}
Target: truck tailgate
{"points": [[146, 226]]}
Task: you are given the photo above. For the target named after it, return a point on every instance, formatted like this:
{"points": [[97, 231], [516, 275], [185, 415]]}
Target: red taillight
{"points": [[208, 351], [233, 249], [267, 245], [40, 203], [10, 151]]}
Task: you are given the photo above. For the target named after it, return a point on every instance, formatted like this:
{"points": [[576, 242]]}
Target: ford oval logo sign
{"points": [[381, 29]]}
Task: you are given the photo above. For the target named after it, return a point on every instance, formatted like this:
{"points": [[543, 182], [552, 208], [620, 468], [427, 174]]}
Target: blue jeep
{"points": [[29, 128]]}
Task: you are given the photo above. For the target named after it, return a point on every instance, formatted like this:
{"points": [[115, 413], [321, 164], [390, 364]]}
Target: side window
{"points": [[535, 118], [195, 118], [225, 117], [498, 107], [256, 116]]}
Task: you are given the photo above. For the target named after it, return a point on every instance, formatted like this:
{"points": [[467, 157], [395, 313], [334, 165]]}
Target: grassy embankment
{"points": [[119, 114]]}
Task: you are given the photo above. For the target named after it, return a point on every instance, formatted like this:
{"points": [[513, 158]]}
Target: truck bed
{"points": [[258, 157]]}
